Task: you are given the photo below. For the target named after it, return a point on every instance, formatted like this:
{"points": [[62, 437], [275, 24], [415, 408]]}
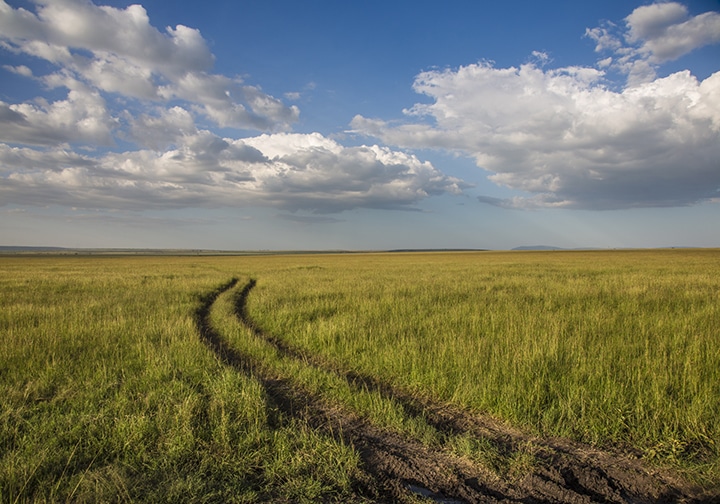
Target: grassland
{"points": [[110, 392]]}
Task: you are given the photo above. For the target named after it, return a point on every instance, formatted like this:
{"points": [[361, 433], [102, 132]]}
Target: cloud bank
{"points": [[285, 171], [126, 82], [122, 129], [566, 137], [98, 49]]}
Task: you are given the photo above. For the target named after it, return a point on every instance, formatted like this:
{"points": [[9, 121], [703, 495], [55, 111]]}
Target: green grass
{"points": [[315, 379], [617, 349], [108, 393]]}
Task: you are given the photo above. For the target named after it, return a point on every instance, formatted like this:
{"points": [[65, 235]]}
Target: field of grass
{"points": [[110, 393]]}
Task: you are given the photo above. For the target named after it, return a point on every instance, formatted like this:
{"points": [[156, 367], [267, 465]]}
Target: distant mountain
{"points": [[537, 247]]}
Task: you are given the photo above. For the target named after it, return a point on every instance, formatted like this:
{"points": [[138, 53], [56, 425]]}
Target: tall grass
{"points": [[619, 349], [108, 394], [318, 380]]}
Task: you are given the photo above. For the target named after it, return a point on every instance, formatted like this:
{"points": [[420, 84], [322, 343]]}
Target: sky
{"points": [[374, 125]]}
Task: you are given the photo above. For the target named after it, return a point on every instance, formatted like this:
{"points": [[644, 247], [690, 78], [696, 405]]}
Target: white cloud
{"points": [[666, 31], [604, 37], [118, 51], [541, 58], [217, 95], [652, 21], [265, 106], [652, 35], [82, 117], [19, 69], [567, 139], [160, 130], [128, 81], [126, 33], [285, 171], [21, 159]]}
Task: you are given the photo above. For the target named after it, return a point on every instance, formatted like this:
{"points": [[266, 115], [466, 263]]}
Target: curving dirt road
{"points": [[398, 469]]}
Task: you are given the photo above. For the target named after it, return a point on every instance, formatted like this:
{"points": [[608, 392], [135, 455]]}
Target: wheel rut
{"points": [[399, 469]]}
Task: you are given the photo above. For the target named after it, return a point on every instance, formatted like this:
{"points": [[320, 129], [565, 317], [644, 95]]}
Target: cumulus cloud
{"points": [[285, 171], [118, 51], [127, 81], [568, 140], [666, 31], [163, 128], [19, 69], [654, 34], [216, 96], [120, 40], [82, 117]]}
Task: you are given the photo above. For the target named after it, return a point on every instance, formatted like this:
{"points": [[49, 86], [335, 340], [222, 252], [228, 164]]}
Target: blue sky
{"points": [[359, 125]]}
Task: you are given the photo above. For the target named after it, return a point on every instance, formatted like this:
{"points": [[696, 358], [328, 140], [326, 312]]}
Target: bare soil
{"points": [[399, 469]]}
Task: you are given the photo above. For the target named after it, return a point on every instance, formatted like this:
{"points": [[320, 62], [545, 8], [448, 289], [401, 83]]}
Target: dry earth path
{"points": [[398, 468]]}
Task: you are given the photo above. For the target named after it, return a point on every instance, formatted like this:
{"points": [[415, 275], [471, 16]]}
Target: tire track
{"points": [[398, 467], [393, 464]]}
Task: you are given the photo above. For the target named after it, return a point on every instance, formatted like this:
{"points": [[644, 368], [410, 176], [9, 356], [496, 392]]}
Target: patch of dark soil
{"points": [[398, 467]]}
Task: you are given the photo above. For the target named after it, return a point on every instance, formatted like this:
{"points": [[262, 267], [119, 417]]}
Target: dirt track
{"points": [[398, 468]]}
